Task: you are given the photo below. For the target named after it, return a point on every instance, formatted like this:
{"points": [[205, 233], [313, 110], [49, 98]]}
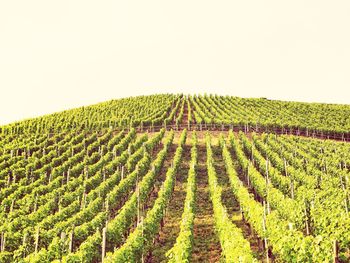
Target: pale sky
{"points": [[56, 55]]}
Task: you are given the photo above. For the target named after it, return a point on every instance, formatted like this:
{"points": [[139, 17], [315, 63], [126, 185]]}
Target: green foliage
{"points": [[182, 249], [75, 172]]}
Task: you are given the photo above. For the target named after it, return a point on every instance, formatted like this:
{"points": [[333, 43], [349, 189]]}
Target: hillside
{"points": [[174, 178], [179, 111]]}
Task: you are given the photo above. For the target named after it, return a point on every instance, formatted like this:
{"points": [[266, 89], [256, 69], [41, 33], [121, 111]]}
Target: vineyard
{"points": [[175, 178]]}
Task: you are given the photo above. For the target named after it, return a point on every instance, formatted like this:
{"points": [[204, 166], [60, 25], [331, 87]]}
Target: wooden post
{"points": [[104, 231], [285, 167], [267, 170], [62, 180], [86, 173], [24, 241], [8, 180], [138, 204], [345, 199], [83, 200], [71, 236], [36, 202], [68, 172], [306, 219], [63, 238], [100, 150], [268, 207], [12, 205], [162, 221], [37, 240], [114, 152], [265, 239], [248, 179], [335, 252], [142, 257], [2, 242]]}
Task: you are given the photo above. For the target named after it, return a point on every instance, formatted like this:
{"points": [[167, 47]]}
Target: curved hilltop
{"points": [[179, 111]]}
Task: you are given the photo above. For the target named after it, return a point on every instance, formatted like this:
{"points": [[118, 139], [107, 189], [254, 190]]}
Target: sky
{"points": [[56, 55]]}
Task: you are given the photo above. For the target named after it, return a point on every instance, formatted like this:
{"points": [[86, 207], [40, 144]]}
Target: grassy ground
{"points": [[206, 244]]}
